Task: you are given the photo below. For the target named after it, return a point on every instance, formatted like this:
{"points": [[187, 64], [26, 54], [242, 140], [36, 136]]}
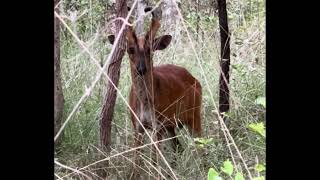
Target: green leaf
{"points": [[236, 66], [200, 145], [260, 167], [227, 114], [258, 178], [203, 141], [239, 176], [261, 101], [213, 175], [259, 128], [227, 167]]}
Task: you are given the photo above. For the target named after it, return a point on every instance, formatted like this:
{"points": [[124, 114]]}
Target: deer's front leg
{"points": [[138, 142]]}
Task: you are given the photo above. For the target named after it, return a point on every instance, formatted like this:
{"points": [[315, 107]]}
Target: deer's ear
{"points": [[111, 39], [161, 42]]}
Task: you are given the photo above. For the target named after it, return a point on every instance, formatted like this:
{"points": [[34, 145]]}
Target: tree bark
{"points": [[225, 58], [114, 74], [170, 18], [140, 23], [58, 94]]}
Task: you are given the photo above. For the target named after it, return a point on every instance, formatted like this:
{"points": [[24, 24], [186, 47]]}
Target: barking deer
{"points": [[163, 97]]}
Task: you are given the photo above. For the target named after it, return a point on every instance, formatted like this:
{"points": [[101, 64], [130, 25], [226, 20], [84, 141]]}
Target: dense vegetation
{"points": [[80, 140]]}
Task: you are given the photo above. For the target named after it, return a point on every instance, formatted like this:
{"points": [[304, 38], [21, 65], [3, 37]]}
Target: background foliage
{"points": [[80, 143]]}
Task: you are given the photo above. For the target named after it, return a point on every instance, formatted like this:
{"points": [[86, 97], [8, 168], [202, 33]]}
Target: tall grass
{"points": [[80, 140]]}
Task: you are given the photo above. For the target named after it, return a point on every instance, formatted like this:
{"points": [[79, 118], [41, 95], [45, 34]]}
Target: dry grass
{"points": [[79, 146]]}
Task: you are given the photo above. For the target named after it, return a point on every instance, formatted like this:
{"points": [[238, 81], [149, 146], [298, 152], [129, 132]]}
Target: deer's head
{"points": [[140, 49]]}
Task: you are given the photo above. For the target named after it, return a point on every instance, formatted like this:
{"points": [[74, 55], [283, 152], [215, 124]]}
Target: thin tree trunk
{"points": [[58, 94], [140, 12], [225, 58], [170, 22], [114, 74]]}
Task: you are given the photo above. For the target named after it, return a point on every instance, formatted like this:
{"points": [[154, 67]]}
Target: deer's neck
{"points": [[142, 87], [143, 90]]}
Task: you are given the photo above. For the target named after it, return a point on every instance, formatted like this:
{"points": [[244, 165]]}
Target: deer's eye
{"points": [[131, 50]]}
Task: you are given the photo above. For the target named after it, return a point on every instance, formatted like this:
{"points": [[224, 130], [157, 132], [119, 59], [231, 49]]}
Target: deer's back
{"points": [[177, 93]]}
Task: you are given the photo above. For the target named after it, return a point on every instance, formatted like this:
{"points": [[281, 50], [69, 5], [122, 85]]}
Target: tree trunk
{"points": [[58, 94], [170, 15], [114, 74], [225, 57], [140, 23]]}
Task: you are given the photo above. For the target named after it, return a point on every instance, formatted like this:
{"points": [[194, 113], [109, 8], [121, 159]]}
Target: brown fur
{"points": [[177, 98], [163, 97], [168, 92]]}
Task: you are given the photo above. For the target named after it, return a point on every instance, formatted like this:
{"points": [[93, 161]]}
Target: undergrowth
{"points": [[80, 139]]}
